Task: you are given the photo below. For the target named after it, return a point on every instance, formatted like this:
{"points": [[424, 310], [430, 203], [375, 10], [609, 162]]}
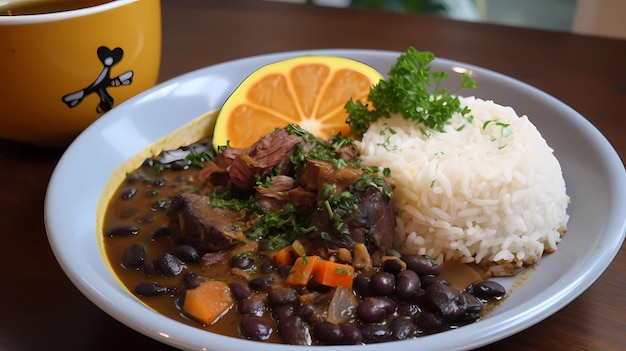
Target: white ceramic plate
{"points": [[593, 172]]}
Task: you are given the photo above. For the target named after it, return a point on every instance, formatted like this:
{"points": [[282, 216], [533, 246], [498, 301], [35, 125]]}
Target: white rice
{"points": [[490, 194]]}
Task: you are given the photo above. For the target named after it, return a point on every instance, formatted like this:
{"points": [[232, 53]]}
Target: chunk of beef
{"points": [[317, 174], [193, 221], [273, 150], [213, 174], [281, 192], [302, 199], [348, 153], [225, 158], [270, 199], [276, 195], [371, 222], [282, 183]]}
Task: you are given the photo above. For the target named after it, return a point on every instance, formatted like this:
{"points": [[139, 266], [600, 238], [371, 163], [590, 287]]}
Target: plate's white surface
{"points": [[593, 172]]}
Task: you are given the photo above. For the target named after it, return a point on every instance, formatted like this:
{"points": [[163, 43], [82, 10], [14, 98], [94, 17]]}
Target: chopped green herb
{"points": [[230, 197], [198, 159], [280, 228], [343, 271], [386, 172], [407, 91], [506, 130], [327, 190], [328, 151], [160, 167], [387, 144], [221, 148]]}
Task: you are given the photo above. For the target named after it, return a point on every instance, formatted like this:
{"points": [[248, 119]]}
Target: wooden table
{"points": [[41, 309]]}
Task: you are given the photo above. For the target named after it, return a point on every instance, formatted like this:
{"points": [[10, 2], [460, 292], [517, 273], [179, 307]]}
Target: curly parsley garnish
{"points": [[406, 92]]}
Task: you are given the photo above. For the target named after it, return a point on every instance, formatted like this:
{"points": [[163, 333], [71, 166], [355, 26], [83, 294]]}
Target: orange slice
{"points": [[310, 91]]}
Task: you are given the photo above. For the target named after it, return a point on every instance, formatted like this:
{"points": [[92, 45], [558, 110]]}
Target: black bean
{"points": [[169, 264], [375, 309], [123, 231], [422, 265], [486, 290], [407, 284], [401, 328], [261, 283], [159, 232], [314, 285], [255, 306], [267, 267], [280, 296], [306, 311], [294, 331], [134, 255], [149, 266], [186, 253], [147, 218], [265, 245], [255, 328], [429, 323], [179, 165], [240, 290], [281, 312], [428, 280], [374, 333], [159, 182], [328, 333], [283, 271], [150, 193], [193, 280], [393, 265], [242, 261], [383, 283], [128, 194], [351, 334], [361, 284], [419, 297], [471, 306], [408, 309], [150, 289], [129, 212], [445, 300]]}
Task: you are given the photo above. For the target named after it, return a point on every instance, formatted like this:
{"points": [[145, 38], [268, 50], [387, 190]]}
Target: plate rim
{"points": [[531, 317]]}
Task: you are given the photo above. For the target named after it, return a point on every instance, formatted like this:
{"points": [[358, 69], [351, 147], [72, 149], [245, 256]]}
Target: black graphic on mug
{"points": [[108, 58]]}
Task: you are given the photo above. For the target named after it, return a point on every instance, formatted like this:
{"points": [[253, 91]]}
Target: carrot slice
{"points": [[302, 270], [333, 274], [208, 301], [285, 256]]}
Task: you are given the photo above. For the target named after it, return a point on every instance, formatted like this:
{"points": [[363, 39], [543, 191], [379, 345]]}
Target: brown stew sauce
{"points": [[137, 213]]}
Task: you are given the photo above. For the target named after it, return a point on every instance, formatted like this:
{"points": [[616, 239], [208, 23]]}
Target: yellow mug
{"points": [[66, 62]]}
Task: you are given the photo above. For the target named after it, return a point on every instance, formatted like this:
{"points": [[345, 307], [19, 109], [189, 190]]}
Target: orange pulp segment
{"points": [[310, 91]]}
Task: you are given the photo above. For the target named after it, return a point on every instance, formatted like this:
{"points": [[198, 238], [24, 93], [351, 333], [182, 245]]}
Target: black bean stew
{"points": [[171, 251]]}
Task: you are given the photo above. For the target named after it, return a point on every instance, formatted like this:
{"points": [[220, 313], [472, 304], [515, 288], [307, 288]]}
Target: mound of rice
{"points": [[487, 190]]}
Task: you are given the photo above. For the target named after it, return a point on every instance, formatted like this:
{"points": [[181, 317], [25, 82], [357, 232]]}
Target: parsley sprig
{"points": [[407, 91]]}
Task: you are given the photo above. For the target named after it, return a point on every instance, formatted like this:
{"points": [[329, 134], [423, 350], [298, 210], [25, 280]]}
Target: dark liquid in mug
{"points": [[34, 7]]}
